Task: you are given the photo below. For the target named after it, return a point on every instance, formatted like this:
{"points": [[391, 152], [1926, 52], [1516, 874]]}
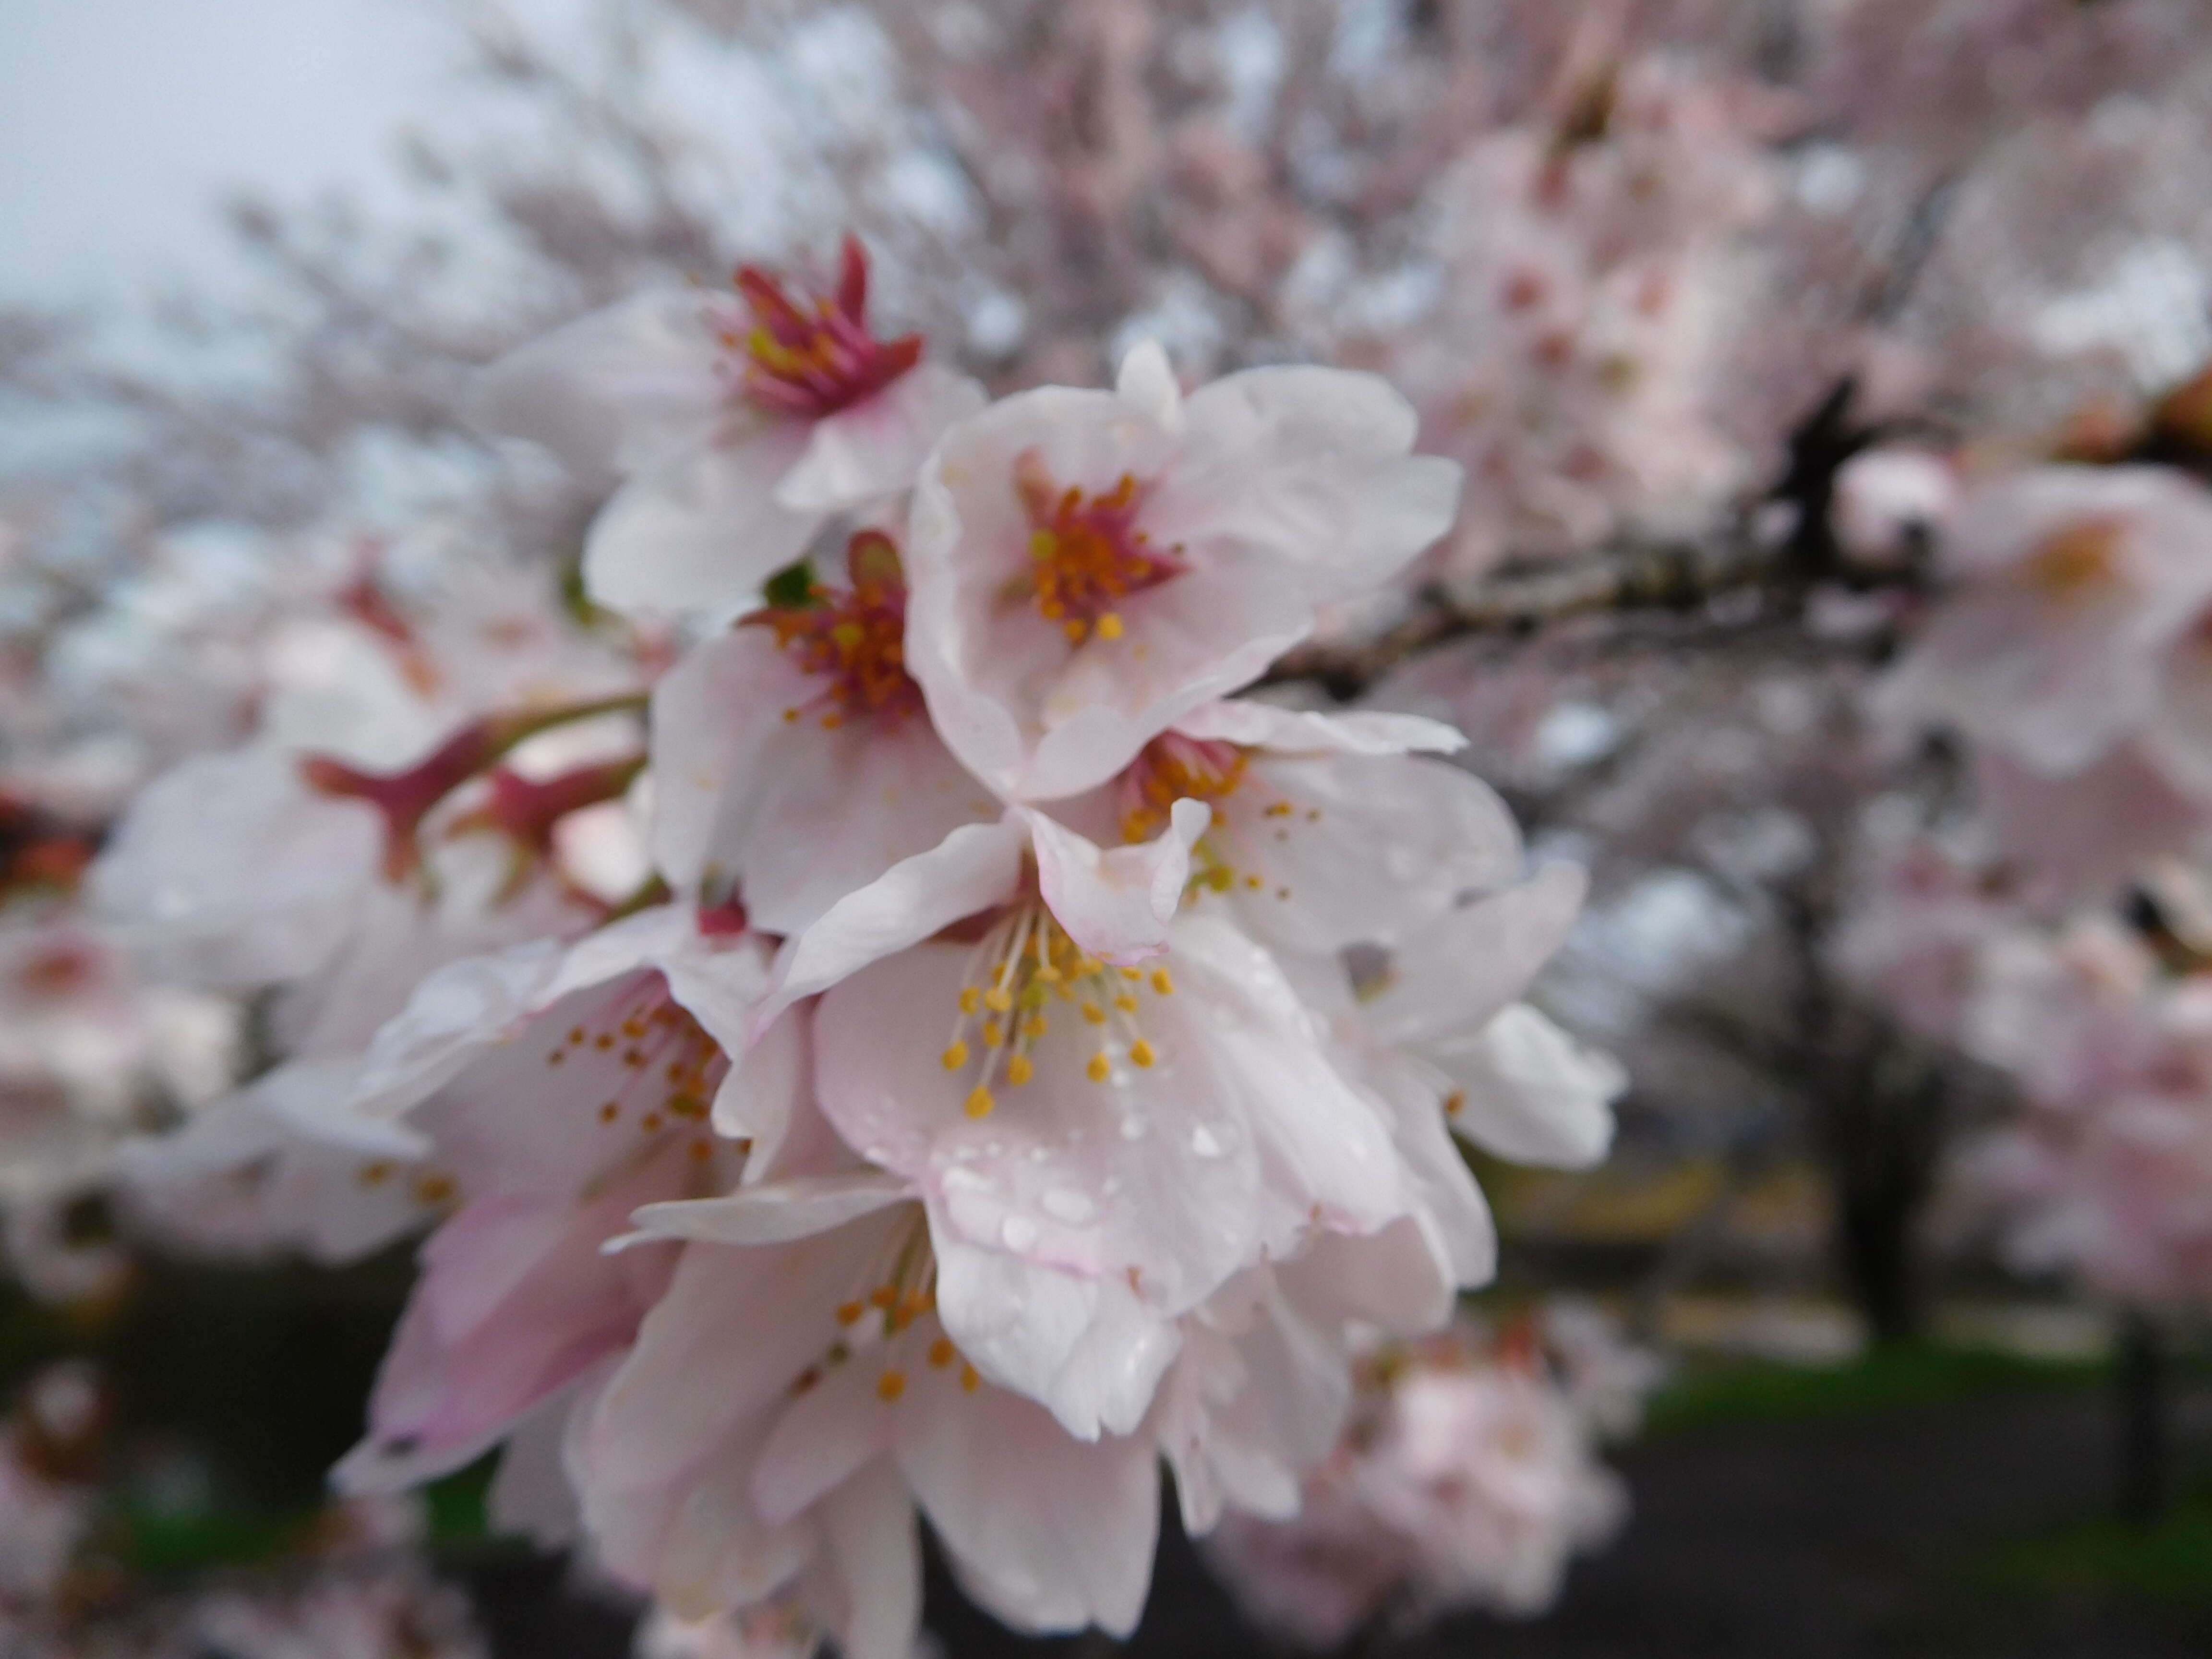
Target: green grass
{"points": [[2169, 1562], [1715, 1394]]}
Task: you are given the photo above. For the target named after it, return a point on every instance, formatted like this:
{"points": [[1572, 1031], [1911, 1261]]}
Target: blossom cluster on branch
{"points": [[1019, 1060]]}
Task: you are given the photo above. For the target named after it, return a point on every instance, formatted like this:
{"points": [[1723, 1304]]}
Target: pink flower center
{"points": [[854, 639], [899, 1291], [1172, 768], [1086, 553], [1024, 973], [668, 1067], [812, 356]]}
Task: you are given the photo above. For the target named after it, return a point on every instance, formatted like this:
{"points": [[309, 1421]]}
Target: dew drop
{"points": [[1066, 1203]]}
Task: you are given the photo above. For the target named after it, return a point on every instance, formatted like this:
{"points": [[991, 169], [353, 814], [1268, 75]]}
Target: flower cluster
{"points": [[1467, 1478], [1026, 1061]]}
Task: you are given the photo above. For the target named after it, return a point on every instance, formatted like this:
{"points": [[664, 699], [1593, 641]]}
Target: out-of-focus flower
{"points": [[2071, 653], [1466, 1478], [735, 430]]}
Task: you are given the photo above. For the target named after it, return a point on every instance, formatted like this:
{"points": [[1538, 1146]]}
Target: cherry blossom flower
{"points": [[792, 761], [842, 1400], [789, 1406], [1466, 1478], [2074, 583], [2104, 1174], [736, 429], [554, 1090], [1916, 930], [1118, 1142], [1087, 567], [1440, 1019], [1322, 835]]}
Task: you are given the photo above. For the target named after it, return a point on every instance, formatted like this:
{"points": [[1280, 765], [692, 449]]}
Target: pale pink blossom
{"points": [[736, 428], [2072, 588], [789, 1406], [1466, 1478], [553, 1091], [1127, 1144], [2106, 1175], [792, 761], [1912, 936], [1088, 567]]}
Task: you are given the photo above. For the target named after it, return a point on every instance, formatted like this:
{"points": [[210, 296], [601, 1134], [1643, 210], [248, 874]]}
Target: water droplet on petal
{"points": [[1066, 1203], [1018, 1232]]}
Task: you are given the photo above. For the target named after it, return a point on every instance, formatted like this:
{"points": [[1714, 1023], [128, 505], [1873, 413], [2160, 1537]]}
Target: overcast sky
{"points": [[124, 122]]}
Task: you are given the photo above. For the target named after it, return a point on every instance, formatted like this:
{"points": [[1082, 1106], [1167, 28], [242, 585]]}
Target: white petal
{"points": [[2179, 738], [1312, 466], [776, 1212], [874, 449], [698, 535], [793, 815], [1251, 723], [228, 872], [1086, 1349], [974, 867], [869, 1526], [1048, 1533], [1147, 381], [529, 1495], [622, 388], [1332, 850], [1453, 976], [452, 1016], [1532, 1094], [825, 1435], [1116, 904]]}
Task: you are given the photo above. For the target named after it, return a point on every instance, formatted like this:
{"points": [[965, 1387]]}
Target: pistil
{"points": [[810, 357], [1086, 553]]}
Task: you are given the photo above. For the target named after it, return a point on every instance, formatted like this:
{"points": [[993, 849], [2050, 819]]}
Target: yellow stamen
{"points": [[1161, 982], [1100, 1067], [979, 1103], [1141, 1053], [940, 1353], [1109, 627], [1018, 1070], [955, 1057], [889, 1386]]}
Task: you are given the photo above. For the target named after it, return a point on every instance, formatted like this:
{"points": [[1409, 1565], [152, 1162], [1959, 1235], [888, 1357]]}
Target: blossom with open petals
{"points": [[555, 1090], [735, 430], [1089, 567]]}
